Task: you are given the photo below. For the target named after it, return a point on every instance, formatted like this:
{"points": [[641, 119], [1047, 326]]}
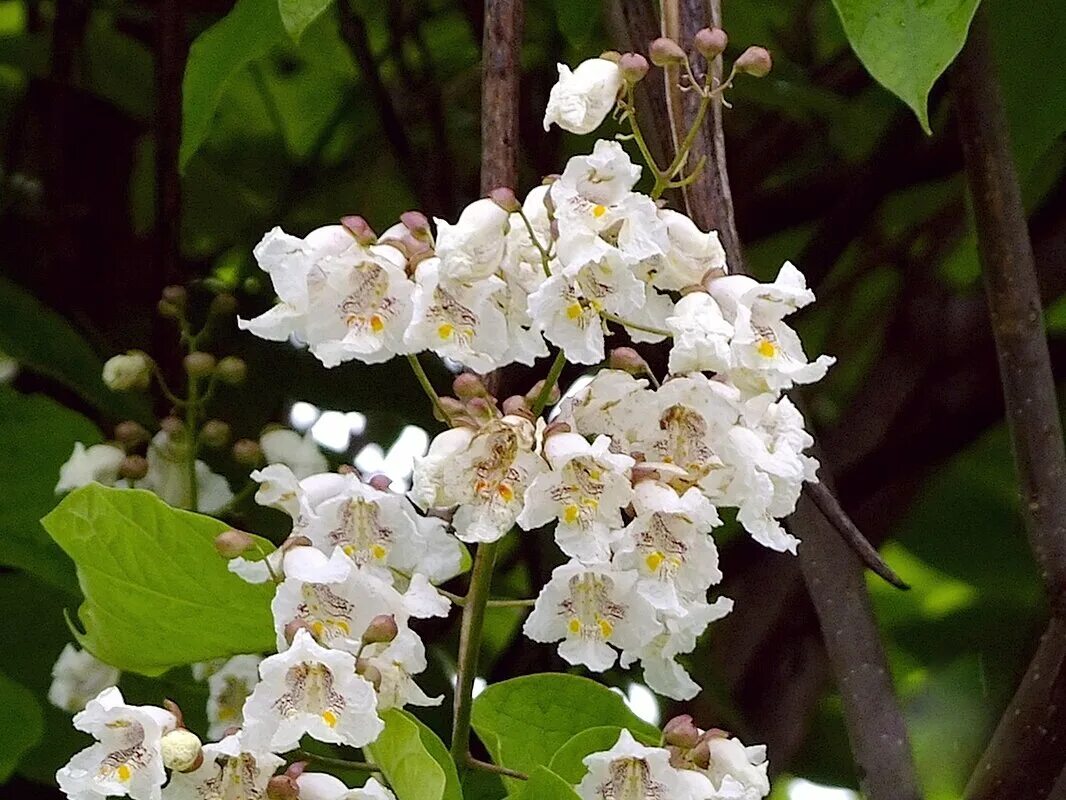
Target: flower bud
{"points": [[181, 750], [381, 482], [130, 434], [700, 755], [132, 370], [534, 393], [247, 453], [755, 61], [360, 229], [628, 360], [452, 407], [233, 543], [681, 731], [467, 386], [611, 55], [382, 629], [515, 404], [172, 426], [133, 468], [664, 51], [294, 627], [418, 225], [634, 67], [173, 301], [232, 370], [282, 787], [199, 364], [223, 305], [368, 671], [711, 42], [215, 433], [481, 409], [505, 199]]}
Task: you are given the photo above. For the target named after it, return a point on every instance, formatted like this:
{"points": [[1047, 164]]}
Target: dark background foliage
{"points": [[375, 112]]}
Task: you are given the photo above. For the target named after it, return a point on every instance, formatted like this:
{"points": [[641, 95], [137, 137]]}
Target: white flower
{"points": [[613, 404], [568, 320], [632, 771], [462, 322], [737, 772], [298, 453], [228, 688], [485, 473], [168, 477], [473, 248], [279, 488], [581, 99], [701, 335], [126, 759], [396, 662], [770, 357], [585, 490], [99, 463], [230, 771], [690, 256], [309, 689], [605, 178], [127, 371], [77, 677], [767, 302], [590, 608], [320, 786], [669, 544]]}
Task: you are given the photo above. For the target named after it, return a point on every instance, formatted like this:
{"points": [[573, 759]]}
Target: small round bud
{"points": [[199, 364], [133, 468], [467, 386], [294, 627], [181, 750], [700, 755], [368, 671], [381, 482], [173, 301], [480, 408], [633, 66], [360, 229], [382, 629], [128, 372], [505, 199], [232, 370], [515, 404], [298, 540], [755, 61], [130, 434], [664, 51], [347, 469], [223, 305], [611, 55], [534, 393], [215, 433], [711, 42], [452, 407], [172, 426], [247, 453], [681, 731], [417, 223], [233, 543], [282, 787]]}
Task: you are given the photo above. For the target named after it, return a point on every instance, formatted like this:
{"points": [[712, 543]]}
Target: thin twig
{"points": [[485, 766], [337, 763], [427, 387], [1026, 753], [831, 509]]}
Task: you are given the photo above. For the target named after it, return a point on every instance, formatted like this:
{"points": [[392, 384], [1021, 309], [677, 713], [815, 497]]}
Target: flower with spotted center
{"points": [[631, 771], [228, 688], [230, 771]]}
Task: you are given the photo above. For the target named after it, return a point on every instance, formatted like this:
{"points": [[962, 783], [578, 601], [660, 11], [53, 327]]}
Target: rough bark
{"points": [[499, 94]]}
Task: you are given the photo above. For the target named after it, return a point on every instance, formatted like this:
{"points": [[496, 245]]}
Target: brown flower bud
{"points": [[382, 629], [233, 543], [199, 364], [172, 426], [633, 66], [711, 42], [452, 407], [130, 434], [294, 627], [505, 199], [133, 467], [664, 51], [467, 386], [223, 305], [173, 301], [516, 404], [247, 453], [360, 229], [681, 731], [215, 433], [534, 393], [232, 370], [611, 55], [755, 61], [381, 482], [417, 223], [283, 787], [369, 671], [628, 360]]}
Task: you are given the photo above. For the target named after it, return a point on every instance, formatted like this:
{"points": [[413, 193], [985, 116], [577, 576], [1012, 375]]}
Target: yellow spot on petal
{"points": [[599, 211], [590, 502], [506, 492], [445, 331], [317, 628], [574, 310], [348, 550], [344, 626], [654, 560], [767, 349], [377, 324], [570, 514], [329, 718], [575, 625], [123, 772], [378, 552], [606, 628]]}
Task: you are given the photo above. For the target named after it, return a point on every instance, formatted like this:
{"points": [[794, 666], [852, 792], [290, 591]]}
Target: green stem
{"points": [[636, 325], [549, 383], [545, 259], [663, 179], [638, 135], [337, 763], [495, 769], [427, 387], [192, 431], [469, 646]]}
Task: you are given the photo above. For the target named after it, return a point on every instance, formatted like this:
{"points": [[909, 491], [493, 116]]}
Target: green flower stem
{"points": [[507, 602], [549, 383], [545, 257], [638, 135], [427, 387], [192, 422], [636, 325], [337, 763], [485, 766]]}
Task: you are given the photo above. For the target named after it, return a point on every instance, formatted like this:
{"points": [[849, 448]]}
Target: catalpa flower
{"points": [[320, 786], [98, 462], [701, 336], [582, 98], [77, 677], [568, 320], [310, 689], [126, 759], [473, 248], [769, 357], [228, 688], [585, 490], [168, 477], [299, 453], [738, 772], [591, 608], [631, 770], [690, 255], [396, 663], [230, 771], [612, 405], [766, 302]]}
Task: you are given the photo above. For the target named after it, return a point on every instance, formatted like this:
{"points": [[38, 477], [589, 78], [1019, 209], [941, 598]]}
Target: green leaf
{"points": [[37, 435], [414, 760], [43, 342], [157, 595], [567, 761], [907, 44], [543, 784], [524, 721], [21, 724], [296, 15], [245, 34]]}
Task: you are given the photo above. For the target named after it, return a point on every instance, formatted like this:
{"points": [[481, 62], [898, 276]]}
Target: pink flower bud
{"points": [[467, 386], [711, 42], [247, 453], [133, 467], [532, 395], [628, 360], [664, 51], [368, 671], [294, 627], [358, 228], [130, 434], [215, 433], [634, 67], [755, 61], [516, 405], [417, 223], [382, 629], [199, 364], [233, 543], [681, 731], [282, 787], [505, 199], [223, 305], [383, 483]]}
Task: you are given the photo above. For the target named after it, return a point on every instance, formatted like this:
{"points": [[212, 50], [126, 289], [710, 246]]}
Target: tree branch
{"points": [[1026, 754], [170, 65]]}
